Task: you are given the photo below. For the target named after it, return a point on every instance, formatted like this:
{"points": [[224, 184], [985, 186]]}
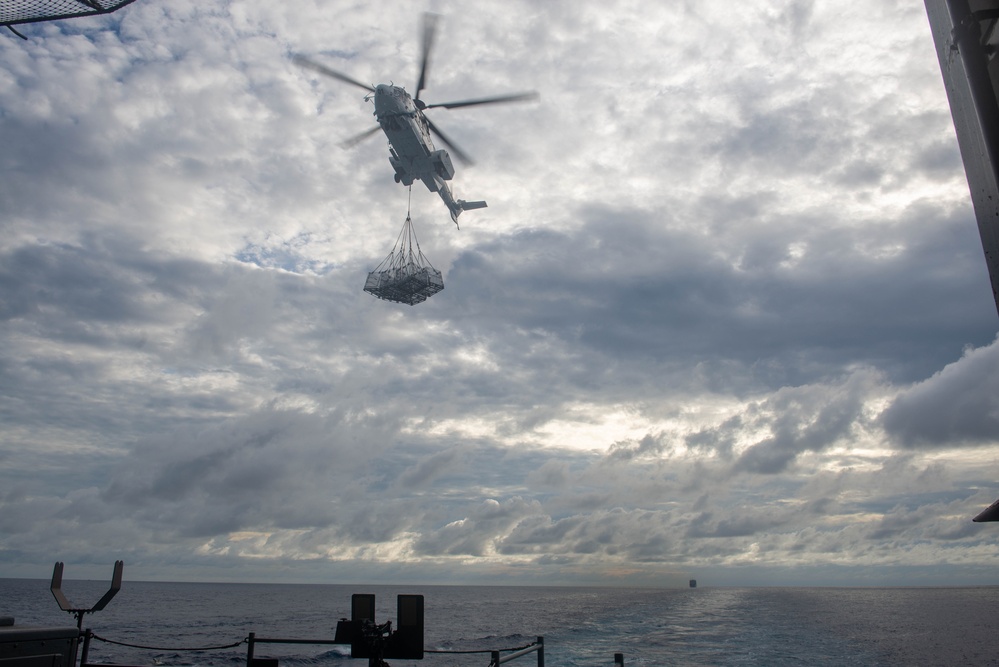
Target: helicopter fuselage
{"points": [[412, 153]]}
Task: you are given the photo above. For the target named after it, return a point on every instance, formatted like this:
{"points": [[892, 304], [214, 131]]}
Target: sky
{"points": [[726, 316]]}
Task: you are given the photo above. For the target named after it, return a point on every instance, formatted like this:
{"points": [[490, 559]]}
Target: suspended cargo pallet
{"points": [[405, 276]]}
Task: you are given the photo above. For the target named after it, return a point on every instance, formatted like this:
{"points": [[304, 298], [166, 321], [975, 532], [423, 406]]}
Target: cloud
{"points": [[712, 319], [955, 407], [805, 420], [475, 535]]}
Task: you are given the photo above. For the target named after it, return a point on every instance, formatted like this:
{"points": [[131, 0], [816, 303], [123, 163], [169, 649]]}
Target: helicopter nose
{"points": [[382, 97], [387, 99]]}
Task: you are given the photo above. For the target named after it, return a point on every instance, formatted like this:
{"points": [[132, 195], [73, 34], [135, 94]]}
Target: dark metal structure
{"points": [[14, 12], [37, 647], [79, 612], [967, 40]]}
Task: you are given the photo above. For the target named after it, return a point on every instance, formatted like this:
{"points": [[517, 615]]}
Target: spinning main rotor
{"points": [[429, 34]]}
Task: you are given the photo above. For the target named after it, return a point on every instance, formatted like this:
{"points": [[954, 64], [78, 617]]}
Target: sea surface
{"points": [[582, 627]]}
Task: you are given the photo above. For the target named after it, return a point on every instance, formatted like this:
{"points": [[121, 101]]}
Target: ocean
{"points": [[582, 627]]}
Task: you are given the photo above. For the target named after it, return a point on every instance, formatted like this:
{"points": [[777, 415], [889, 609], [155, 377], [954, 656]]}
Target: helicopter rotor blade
{"points": [[457, 152], [356, 139], [302, 61], [429, 31], [516, 97]]}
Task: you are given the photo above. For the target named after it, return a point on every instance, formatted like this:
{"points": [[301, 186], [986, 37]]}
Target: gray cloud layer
{"points": [[726, 315]]}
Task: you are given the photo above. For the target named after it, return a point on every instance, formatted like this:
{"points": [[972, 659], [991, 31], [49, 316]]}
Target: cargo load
{"points": [[405, 276]]}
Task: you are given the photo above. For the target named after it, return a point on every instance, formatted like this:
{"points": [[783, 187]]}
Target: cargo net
{"points": [[405, 276], [29, 11]]}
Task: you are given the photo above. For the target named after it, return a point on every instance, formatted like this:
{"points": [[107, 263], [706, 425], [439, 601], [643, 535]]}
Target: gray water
{"points": [[581, 627]]}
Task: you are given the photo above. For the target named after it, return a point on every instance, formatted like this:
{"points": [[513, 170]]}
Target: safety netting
{"points": [[405, 276], [13, 12]]}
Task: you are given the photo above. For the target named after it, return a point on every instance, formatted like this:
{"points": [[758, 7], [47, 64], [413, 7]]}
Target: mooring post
{"points": [[619, 660], [541, 652], [85, 651], [494, 660], [249, 648]]}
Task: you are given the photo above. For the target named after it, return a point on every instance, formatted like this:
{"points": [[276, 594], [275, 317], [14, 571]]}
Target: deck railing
{"points": [[496, 658], [538, 647]]}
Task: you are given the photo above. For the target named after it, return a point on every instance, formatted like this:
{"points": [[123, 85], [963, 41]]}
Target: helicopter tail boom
{"points": [[457, 206]]}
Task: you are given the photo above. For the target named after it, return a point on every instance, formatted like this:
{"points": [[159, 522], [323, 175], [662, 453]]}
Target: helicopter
{"points": [[410, 132]]}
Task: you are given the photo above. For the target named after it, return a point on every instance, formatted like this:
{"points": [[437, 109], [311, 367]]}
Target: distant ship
{"points": [[693, 583]]}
